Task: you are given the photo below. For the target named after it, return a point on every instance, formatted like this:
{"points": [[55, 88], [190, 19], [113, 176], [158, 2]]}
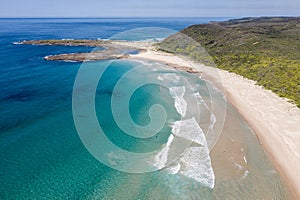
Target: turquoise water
{"points": [[42, 155], [45, 157]]}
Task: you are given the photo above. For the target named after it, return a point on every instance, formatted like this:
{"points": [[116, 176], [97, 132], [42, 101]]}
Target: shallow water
{"points": [[42, 155]]}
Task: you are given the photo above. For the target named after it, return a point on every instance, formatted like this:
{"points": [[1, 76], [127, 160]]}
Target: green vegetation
{"points": [[266, 50]]}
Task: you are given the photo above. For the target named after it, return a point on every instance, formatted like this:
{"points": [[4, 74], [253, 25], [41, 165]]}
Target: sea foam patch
{"points": [[180, 104], [161, 158], [189, 130], [195, 159], [194, 162], [198, 166]]}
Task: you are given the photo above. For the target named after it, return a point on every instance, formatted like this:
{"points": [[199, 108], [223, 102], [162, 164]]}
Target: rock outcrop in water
{"points": [[112, 50]]}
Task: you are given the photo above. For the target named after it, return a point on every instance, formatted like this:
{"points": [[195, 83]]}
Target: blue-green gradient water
{"points": [[42, 156]]}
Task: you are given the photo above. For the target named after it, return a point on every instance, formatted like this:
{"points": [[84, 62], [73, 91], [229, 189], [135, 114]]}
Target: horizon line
{"points": [[141, 17], [116, 17]]}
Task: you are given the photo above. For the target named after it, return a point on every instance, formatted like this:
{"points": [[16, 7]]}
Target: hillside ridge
{"points": [[264, 49]]}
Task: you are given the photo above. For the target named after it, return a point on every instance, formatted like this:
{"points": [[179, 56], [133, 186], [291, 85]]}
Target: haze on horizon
{"points": [[153, 8]]}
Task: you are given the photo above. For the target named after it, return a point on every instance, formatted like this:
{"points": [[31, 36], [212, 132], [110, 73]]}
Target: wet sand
{"points": [[274, 120]]}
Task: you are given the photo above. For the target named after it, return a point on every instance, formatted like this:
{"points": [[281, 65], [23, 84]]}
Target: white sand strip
{"points": [[275, 121]]}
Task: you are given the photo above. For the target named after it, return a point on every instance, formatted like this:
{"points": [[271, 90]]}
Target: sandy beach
{"points": [[274, 120]]}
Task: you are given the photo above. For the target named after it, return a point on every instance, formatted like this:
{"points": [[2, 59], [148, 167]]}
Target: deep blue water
{"points": [[41, 154], [28, 81]]}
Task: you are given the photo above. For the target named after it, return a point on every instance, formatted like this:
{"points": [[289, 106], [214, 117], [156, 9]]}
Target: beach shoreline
{"points": [[273, 119]]}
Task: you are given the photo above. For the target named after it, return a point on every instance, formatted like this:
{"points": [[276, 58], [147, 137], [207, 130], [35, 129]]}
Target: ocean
{"points": [[51, 148]]}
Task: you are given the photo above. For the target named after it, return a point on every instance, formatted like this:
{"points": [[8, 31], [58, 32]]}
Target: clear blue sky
{"points": [[148, 8]]}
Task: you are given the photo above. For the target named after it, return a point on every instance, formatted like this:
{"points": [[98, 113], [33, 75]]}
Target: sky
{"points": [[148, 8]]}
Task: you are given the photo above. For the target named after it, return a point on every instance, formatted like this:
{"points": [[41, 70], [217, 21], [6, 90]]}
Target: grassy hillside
{"points": [[266, 50]]}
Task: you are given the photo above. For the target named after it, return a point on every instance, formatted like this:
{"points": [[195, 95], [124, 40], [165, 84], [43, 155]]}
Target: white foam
{"points": [[180, 104], [195, 162], [171, 77], [199, 98], [245, 174], [161, 158], [201, 101], [189, 130], [245, 159], [150, 40], [71, 61], [212, 121], [198, 166], [238, 166], [174, 169], [160, 78]]}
